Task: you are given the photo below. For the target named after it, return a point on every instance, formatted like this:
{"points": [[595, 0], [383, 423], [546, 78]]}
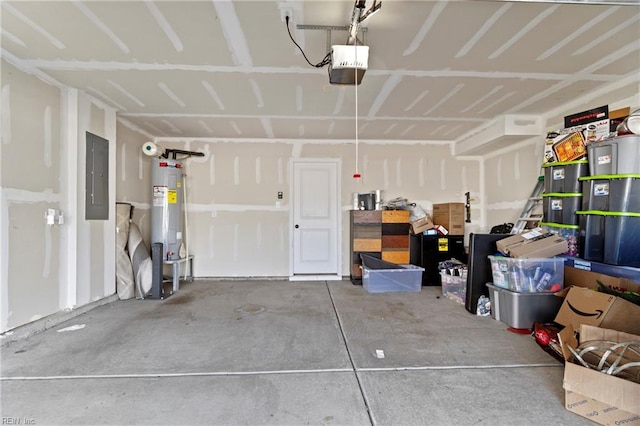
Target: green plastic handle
{"points": [[558, 225], [565, 163], [635, 176], [603, 213], [562, 194]]}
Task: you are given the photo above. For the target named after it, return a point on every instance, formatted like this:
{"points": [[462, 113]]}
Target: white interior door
{"points": [[315, 217]]}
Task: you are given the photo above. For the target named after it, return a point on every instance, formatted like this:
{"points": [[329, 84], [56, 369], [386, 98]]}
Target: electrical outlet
{"points": [[286, 10]]}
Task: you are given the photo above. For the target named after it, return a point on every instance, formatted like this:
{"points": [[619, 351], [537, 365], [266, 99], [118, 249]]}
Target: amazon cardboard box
{"points": [[602, 398], [584, 305]]}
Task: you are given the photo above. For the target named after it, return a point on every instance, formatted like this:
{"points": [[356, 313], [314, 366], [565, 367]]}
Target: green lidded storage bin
{"points": [[559, 207], [564, 176]]}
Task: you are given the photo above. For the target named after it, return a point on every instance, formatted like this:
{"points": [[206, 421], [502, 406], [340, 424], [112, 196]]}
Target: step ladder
{"points": [[531, 213]]}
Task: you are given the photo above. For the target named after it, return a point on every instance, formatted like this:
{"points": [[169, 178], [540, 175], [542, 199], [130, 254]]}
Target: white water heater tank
{"points": [[167, 210]]}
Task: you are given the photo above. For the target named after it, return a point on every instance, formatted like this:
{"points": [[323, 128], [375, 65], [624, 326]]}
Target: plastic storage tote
{"points": [[591, 235], [611, 237], [622, 239], [533, 275], [561, 208], [379, 276], [564, 177], [620, 155], [454, 287], [570, 233], [624, 193], [521, 310], [595, 192]]}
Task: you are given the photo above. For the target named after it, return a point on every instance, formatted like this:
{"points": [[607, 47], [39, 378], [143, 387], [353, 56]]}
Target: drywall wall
{"points": [[510, 176], [49, 268], [29, 155], [235, 226], [133, 175]]}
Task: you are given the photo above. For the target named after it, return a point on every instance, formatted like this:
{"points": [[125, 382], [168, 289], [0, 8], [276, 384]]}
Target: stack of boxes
{"points": [[609, 221], [562, 198]]}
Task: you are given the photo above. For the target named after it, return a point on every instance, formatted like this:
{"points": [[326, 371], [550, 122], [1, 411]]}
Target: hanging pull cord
{"points": [[356, 175]]}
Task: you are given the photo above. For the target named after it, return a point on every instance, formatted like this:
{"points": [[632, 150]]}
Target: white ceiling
{"points": [[438, 70]]}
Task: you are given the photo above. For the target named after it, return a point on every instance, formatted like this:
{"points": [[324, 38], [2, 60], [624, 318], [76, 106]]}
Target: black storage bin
{"points": [[561, 207], [591, 236], [564, 176], [624, 193], [372, 262], [622, 239], [595, 193]]}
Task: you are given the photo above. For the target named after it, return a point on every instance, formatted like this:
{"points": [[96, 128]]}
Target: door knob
{"points": [[297, 226]]}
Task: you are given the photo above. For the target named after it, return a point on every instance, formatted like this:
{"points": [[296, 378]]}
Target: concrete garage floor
{"points": [[285, 353]]}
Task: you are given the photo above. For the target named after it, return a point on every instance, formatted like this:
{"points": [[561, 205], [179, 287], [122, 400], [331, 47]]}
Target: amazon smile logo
{"points": [[598, 312]]}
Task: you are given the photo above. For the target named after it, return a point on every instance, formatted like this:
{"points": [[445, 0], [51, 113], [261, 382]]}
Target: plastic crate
{"points": [[561, 207], [570, 233], [595, 193], [532, 275], [614, 156], [379, 276], [564, 177], [622, 239], [591, 235], [521, 310], [454, 287], [624, 193]]}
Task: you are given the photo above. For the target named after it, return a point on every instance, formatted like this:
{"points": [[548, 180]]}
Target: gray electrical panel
{"points": [[97, 178]]}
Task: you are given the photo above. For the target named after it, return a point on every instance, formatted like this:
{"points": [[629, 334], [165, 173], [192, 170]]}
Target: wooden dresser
{"points": [[380, 233]]}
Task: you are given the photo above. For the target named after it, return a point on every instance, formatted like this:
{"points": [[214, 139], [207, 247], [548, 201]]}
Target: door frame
{"points": [[338, 206]]}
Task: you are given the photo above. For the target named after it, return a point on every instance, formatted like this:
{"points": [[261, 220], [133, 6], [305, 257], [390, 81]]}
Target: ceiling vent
{"points": [[348, 64]]}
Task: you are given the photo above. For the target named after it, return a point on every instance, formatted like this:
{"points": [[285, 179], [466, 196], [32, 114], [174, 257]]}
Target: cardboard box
{"points": [[534, 243], [583, 278], [421, 225], [571, 147], [584, 306], [451, 216], [600, 397]]}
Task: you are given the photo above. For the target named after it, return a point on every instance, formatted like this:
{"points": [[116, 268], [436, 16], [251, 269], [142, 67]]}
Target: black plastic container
{"points": [[625, 193], [595, 193], [591, 235], [622, 239], [564, 177], [561, 207]]}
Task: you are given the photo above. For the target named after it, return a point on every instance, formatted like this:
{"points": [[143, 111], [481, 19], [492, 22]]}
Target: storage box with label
{"points": [[615, 156], [584, 305], [564, 177], [603, 398], [534, 243], [451, 216], [561, 207], [420, 225]]}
